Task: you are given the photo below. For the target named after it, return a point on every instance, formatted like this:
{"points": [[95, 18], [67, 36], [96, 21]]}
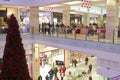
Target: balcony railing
{"points": [[83, 34], [80, 34]]}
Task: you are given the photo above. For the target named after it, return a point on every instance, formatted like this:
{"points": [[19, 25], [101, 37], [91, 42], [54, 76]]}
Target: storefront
{"points": [[52, 57], [44, 17], [5, 12]]}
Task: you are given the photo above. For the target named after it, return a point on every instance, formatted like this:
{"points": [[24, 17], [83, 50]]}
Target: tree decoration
{"points": [[14, 66]]}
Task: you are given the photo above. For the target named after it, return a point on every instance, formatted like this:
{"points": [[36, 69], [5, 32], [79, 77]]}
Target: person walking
{"points": [[90, 68], [75, 63], [55, 71], [51, 74], [86, 60], [40, 77], [46, 78], [62, 72], [90, 77]]}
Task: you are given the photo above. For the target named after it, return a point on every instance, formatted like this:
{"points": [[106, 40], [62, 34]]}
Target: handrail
{"points": [[82, 34], [118, 77]]}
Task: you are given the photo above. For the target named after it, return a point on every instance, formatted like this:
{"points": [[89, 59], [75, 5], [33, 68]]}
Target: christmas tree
{"points": [[14, 66]]}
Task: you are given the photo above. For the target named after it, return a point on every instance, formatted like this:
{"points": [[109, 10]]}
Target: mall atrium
{"points": [[56, 32]]}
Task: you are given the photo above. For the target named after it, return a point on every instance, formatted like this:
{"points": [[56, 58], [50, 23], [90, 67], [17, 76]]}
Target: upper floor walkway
{"points": [[107, 53], [91, 44]]}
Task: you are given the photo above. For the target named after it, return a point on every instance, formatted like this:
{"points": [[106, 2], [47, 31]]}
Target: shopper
{"points": [[51, 74], [90, 77], [46, 78], [62, 72], [86, 60], [90, 68], [75, 63], [55, 71], [40, 77], [64, 69]]}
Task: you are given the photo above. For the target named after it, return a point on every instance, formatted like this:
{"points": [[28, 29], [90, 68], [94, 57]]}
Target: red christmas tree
{"points": [[14, 66]]}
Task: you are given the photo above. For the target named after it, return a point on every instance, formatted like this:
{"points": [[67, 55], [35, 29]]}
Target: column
{"points": [[100, 20], [34, 20], [67, 57], [112, 19], [36, 67], [116, 21], [66, 16], [19, 17], [86, 19]]}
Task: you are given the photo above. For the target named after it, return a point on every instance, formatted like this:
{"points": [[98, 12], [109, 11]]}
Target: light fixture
{"points": [[86, 3], [73, 2], [49, 8], [55, 5]]}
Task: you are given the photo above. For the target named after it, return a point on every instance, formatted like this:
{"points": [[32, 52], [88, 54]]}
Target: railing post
{"points": [[65, 32], [113, 35], [50, 32], [75, 34], [98, 35], [57, 31], [86, 33]]}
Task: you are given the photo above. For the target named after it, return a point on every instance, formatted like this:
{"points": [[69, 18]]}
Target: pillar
{"points": [[112, 19], [34, 20], [67, 57], [66, 16], [100, 20], [36, 67], [19, 16], [86, 19]]}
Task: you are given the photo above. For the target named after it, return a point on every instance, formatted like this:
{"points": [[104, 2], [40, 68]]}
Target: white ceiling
{"points": [[61, 4]]}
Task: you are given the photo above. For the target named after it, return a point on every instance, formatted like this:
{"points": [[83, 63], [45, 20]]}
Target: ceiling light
{"points": [[55, 5], [73, 2]]}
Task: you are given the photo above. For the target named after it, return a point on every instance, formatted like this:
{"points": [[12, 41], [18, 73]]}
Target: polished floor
{"points": [[75, 71]]}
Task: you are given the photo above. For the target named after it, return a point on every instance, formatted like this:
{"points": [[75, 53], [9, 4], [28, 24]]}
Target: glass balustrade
{"points": [[98, 35]]}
